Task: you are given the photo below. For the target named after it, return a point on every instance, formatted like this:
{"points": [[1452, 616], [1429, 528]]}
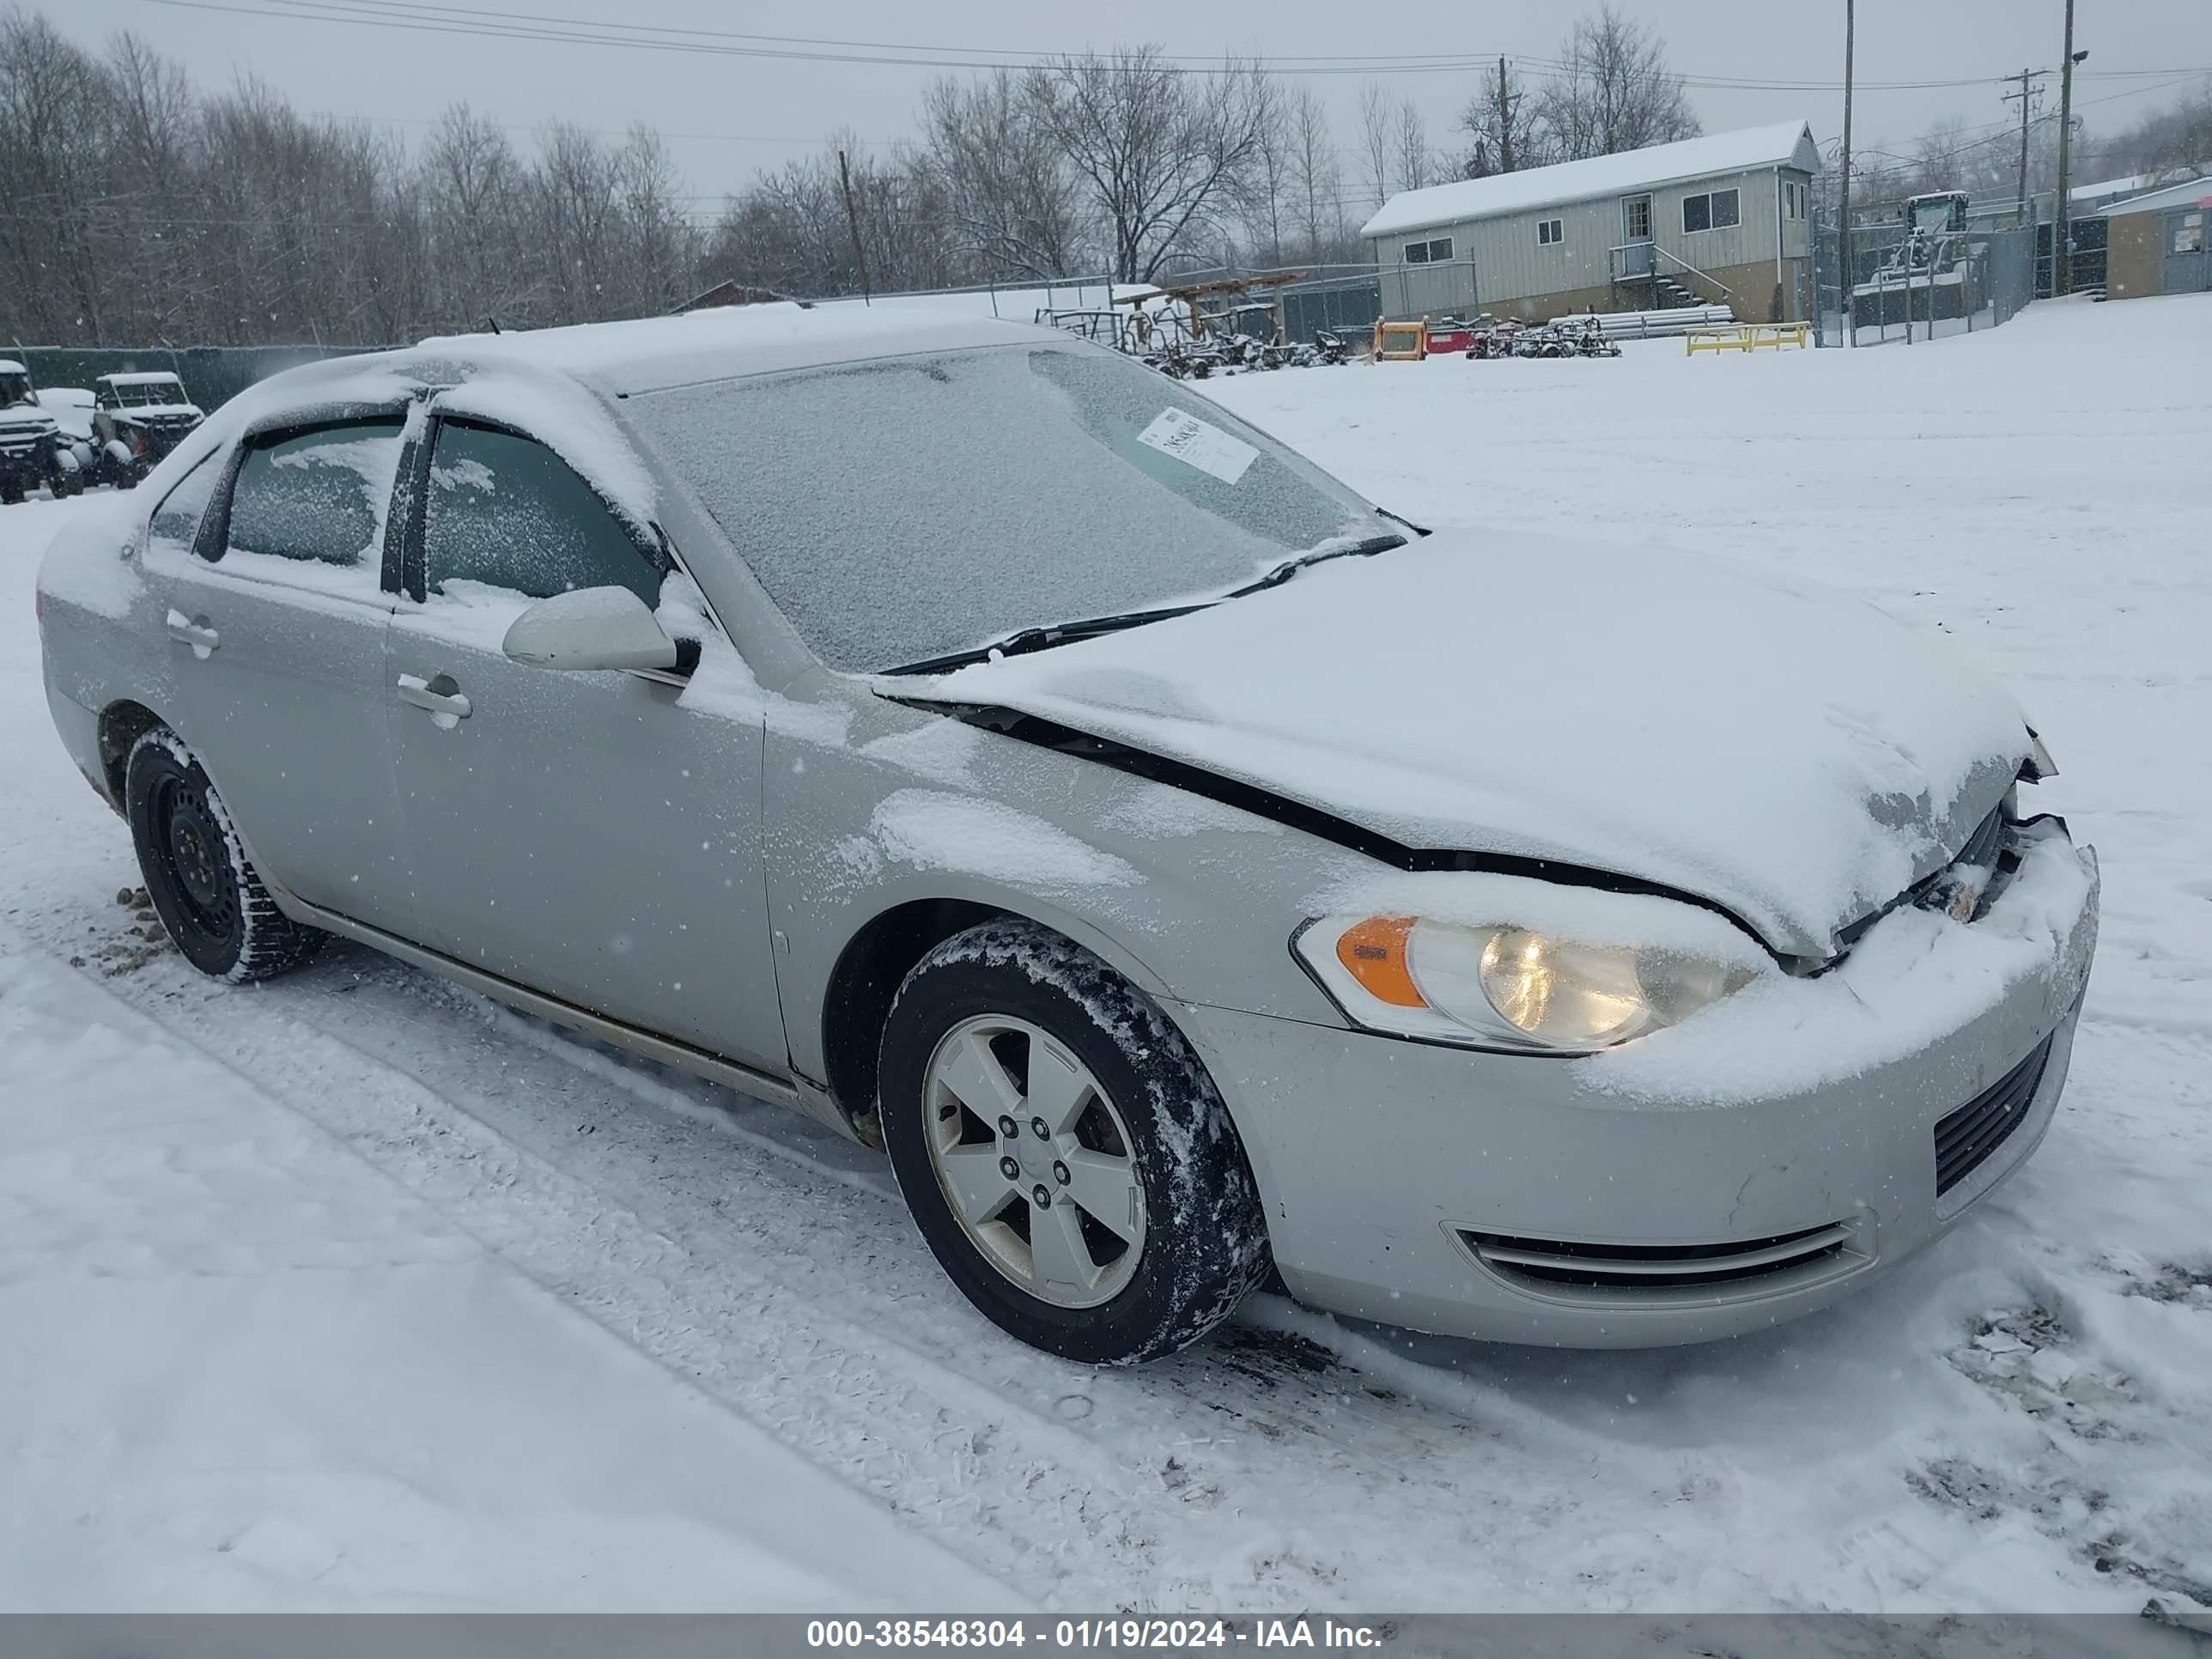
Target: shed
{"points": [[1723, 219], [2156, 243]]}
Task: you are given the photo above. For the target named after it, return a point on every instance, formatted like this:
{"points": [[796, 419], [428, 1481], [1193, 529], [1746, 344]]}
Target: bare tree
{"points": [[1161, 154], [2179, 135], [1376, 144], [1614, 91], [1500, 125], [1273, 169], [470, 183], [1411, 152], [1010, 200], [1316, 179]]}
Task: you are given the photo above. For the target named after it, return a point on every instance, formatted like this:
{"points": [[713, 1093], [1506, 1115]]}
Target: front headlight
{"points": [[1513, 987]]}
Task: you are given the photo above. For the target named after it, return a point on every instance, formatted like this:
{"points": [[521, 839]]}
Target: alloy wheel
{"points": [[1034, 1160]]}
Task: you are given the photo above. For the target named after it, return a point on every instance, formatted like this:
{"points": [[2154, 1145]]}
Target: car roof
{"points": [[719, 343]]}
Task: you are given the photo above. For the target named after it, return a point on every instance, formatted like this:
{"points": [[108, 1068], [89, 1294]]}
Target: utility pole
{"points": [[2028, 92], [2062, 278], [1505, 119], [853, 219], [1843, 214]]}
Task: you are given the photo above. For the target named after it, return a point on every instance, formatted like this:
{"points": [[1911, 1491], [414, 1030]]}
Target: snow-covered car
{"points": [[33, 452], [1180, 866], [72, 407], [136, 419]]}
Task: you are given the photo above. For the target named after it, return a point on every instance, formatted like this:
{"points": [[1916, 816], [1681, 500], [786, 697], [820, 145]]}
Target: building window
{"points": [[1435, 252], [1710, 210], [1793, 199], [1549, 231], [1635, 218]]}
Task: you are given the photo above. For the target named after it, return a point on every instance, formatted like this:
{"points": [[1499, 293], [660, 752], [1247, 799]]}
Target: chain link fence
{"points": [[1898, 291]]}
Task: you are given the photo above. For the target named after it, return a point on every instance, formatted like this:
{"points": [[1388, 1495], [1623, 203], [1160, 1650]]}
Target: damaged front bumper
{"points": [[1748, 1167]]}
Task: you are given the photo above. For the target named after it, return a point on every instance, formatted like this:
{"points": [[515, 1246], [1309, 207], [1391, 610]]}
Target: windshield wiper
{"points": [[1023, 640], [1290, 568]]}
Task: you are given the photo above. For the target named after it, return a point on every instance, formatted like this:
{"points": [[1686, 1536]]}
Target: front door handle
{"points": [[194, 632], [447, 703]]}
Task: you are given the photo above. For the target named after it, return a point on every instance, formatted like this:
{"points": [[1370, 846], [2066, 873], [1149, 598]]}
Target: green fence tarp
{"points": [[213, 375]]}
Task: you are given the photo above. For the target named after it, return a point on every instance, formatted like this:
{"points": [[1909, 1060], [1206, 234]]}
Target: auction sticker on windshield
{"points": [[1195, 443]]}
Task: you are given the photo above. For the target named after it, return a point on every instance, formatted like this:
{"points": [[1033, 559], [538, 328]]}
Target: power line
{"points": [[556, 29]]}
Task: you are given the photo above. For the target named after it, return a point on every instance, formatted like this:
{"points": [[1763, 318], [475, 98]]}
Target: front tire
{"points": [[1129, 1226], [204, 888]]}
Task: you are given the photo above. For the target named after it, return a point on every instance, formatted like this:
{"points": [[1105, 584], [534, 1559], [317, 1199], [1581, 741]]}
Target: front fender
{"points": [[1194, 901]]}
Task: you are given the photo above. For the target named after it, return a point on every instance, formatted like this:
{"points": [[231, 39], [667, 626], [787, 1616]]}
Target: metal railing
{"points": [[1624, 272]]}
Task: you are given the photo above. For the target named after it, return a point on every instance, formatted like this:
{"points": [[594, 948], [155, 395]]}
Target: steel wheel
{"points": [[194, 856], [203, 885], [1034, 1161]]}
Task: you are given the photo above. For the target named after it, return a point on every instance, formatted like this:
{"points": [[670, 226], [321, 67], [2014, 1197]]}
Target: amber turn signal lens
{"points": [[1373, 952]]}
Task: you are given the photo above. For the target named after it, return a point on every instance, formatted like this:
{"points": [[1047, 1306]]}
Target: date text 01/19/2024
{"points": [[996, 1635]]}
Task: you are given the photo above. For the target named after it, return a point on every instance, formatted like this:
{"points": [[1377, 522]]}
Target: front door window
{"points": [[1635, 219]]}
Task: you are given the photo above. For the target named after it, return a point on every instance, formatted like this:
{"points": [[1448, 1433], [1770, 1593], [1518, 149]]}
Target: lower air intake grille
{"points": [[1969, 1135], [1553, 1264]]}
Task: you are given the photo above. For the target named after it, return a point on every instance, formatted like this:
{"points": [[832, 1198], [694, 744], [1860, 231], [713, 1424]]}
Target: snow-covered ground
{"points": [[352, 1291]]}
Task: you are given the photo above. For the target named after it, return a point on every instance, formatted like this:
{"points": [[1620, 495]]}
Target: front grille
{"points": [[1965, 1138], [1554, 1265]]}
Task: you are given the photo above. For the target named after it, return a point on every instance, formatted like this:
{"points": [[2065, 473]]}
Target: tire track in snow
{"points": [[812, 1308]]}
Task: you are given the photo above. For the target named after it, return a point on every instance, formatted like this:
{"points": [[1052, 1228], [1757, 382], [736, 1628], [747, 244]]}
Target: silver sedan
{"points": [[1185, 870]]}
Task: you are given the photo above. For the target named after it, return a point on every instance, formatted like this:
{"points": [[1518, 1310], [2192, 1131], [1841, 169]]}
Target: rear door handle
{"points": [[201, 638], [445, 701]]}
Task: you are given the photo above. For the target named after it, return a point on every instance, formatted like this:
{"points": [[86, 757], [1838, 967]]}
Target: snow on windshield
{"points": [[901, 509]]}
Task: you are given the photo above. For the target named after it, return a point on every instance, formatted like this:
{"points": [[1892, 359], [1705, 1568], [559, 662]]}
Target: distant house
{"points": [[2159, 242], [729, 292], [1724, 219]]}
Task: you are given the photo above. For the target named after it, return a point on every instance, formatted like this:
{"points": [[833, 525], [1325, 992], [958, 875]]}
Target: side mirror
{"points": [[590, 628]]}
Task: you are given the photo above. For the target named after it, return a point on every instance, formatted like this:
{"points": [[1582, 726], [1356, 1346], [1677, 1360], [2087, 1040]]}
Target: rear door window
{"points": [[310, 505], [505, 511]]}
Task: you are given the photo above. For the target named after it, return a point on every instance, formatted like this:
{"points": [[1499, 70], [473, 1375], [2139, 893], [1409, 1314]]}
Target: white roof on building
{"points": [[1787, 144], [2191, 192], [2110, 187]]}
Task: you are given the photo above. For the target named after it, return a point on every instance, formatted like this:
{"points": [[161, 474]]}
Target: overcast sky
{"points": [[727, 114]]}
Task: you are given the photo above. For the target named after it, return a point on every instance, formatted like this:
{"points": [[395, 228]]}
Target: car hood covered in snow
{"points": [[1777, 748]]}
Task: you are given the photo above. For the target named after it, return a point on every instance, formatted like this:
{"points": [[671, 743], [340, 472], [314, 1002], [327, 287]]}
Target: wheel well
{"points": [[121, 725], [868, 976]]}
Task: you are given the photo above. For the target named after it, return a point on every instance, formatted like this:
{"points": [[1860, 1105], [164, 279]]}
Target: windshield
{"points": [[15, 389], [147, 394], [901, 510]]}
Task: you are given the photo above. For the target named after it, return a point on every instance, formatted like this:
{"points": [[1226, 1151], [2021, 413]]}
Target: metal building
{"points": [[1724, 219], [2161, 243]]}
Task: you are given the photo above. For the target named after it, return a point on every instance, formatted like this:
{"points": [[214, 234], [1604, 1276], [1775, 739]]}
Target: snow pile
{"points": [[253, 1372]]}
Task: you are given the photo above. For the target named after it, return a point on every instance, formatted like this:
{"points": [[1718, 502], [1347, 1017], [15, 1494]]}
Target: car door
{"points": [[273, 559], [594, 836]]}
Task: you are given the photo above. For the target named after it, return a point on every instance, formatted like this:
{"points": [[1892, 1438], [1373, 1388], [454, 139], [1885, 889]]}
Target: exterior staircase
{"points": [[1668, 294]]}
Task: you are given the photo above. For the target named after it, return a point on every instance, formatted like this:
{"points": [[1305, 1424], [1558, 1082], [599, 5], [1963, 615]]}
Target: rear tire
{"points": [[1157, 1226], [204, 888]]}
